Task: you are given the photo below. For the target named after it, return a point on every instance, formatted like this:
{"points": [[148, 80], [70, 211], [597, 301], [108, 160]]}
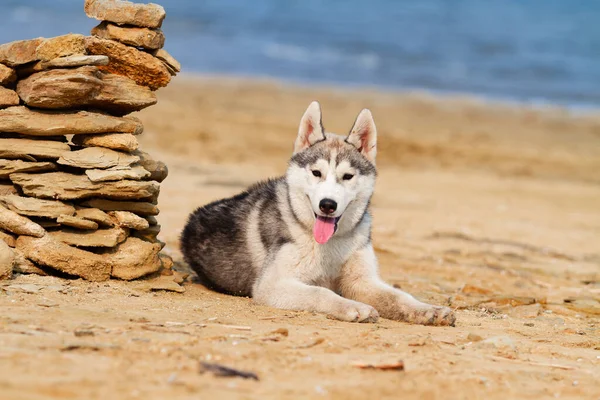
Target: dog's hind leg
{"points": [[360, 281], [276, 288]]}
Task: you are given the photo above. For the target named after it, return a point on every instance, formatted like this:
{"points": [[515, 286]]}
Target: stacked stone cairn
{"points": [[77, 196]]}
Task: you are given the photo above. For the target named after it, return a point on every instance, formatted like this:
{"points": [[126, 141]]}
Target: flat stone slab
{"points": [[32, 207], [53, 253], [128, 219], [115, 141], [65, 186], [158, 169], [7, 261], [117, 173], [77, 222], [8, 98], [135, 258], [12, 222], [146, 38], [98, 238], [97, 157], [125, 12], [95, 215], [7, 75], [63, 62], [131, 259], [136, 207], [7, 188], [141, 67], [25, 266], [61, 46], [8, 167], [49, 123], [19, 52], [32, 150], [7, 238], [173, 65], [84, 87]]}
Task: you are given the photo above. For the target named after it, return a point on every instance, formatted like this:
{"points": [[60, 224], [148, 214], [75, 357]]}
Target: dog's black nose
{"points": [[328, 206]]}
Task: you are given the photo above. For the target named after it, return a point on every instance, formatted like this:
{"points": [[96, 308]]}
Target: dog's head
{"points": [[332, 177]]}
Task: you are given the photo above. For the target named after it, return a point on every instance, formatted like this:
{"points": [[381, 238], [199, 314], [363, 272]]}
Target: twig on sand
{"points": [[315, 342], [537, 364], [221, 370], [388, 366], [236, 327]]}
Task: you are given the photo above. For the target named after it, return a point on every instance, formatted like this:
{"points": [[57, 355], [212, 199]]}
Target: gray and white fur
{"points": [[303, 241]]}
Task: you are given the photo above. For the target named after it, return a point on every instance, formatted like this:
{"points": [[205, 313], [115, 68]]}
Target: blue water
{"points": [[532, 51]]}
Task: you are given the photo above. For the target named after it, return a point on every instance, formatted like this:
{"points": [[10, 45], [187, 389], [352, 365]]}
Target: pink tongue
{"points": [[323, 229]]}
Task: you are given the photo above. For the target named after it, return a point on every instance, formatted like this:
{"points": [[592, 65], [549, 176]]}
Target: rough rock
{"points": [[139, 208], [125, 12], [121, 95], [7, 238], [152, 220], [65, 186], [117, 173], [20, 52], [49, 123], [135, 258], [7, 75], [60, 88], [128, 219], [24, 266], [77, 222], [7, 260], [97, 157], [8, 98], [53, 253], [62, 62], [160, 283], [32, 149], [143, 68], [84, 86], [166, 263], [115, 141], [45, 223], [8, 167], [12, 222], [151, 39], [148, 234], [169, 60], [96, 215], [61, 46], [7, 188], [32, 207], [157, 169], [100, 238]]}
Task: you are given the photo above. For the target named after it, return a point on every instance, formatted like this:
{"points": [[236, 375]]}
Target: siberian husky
{"points": [[303, 241]]}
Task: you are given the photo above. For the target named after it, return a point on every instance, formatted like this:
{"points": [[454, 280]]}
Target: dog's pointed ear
{"points": [[311, 128], [363, 135]]}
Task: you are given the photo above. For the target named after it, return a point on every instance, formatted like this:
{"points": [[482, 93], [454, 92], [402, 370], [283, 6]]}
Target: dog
{"points": [[303, 241]]}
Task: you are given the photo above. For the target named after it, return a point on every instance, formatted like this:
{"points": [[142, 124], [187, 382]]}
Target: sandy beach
{"points": [[492, 209]]}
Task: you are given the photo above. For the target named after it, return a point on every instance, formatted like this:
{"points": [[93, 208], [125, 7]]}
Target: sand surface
{"points": [[491, 209]]}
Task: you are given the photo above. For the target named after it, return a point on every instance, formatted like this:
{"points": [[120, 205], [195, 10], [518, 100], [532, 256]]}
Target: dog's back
{"points": [[215, 240]]}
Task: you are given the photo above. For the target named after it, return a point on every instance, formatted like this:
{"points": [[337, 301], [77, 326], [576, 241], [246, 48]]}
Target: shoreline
{"points": [[576, 109], [226, 118]]}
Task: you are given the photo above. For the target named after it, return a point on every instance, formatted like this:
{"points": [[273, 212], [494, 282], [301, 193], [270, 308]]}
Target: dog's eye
{"points": [[316, 173], [347, 177]]}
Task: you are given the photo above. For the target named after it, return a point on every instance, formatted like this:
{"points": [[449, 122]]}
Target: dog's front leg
{"points": [[280, 287], [360, 281]]}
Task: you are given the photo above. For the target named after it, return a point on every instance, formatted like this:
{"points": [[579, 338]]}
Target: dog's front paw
{"points": [[353, 311], [433, 315]]}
